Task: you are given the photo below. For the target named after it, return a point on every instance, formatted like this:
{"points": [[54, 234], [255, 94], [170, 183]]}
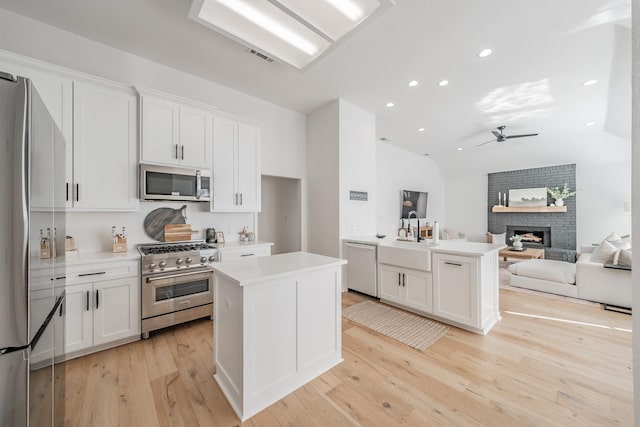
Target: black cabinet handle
{"points": [[176, 151], [399, 280], [92, 274], [67, 184], [87, 300], [404, 277], [453, 263], [97, 299], [240, 199], [247, 255], [182, 152]]}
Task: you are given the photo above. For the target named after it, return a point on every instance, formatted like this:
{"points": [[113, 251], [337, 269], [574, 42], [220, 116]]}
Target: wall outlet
{"points": [[231, 229]]}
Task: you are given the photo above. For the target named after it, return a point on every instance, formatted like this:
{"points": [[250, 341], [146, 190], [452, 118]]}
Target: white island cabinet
{"points": [[453, 282], [277, 326]]}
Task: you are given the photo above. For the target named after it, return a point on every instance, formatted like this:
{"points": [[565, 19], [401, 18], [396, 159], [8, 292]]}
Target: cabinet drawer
{"points": [[229, 254], [98, 272]]}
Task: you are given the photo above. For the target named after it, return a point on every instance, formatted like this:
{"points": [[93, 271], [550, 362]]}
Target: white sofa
{"points": [[585, 279], [600, 284]]}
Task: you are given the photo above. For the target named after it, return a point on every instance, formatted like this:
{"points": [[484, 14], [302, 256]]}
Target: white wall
{"points": [[602, 192], [323, 172], [284, 130], [279, 221], [399, 170], [357, 169]]}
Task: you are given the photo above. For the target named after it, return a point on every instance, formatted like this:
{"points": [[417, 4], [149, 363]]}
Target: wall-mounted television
{"points": [[414, 201]]}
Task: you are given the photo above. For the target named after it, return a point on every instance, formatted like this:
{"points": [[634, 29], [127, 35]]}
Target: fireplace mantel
{"points": [[545, 209]]}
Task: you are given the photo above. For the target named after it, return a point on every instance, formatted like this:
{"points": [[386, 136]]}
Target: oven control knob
{"points": [[212, 258], [203, 259], [188, 260], [163, 264], [152, 265], [179, 261]]}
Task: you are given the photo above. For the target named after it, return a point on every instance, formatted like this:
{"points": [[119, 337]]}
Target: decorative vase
{"points": [[517, 245], [559, 202]]}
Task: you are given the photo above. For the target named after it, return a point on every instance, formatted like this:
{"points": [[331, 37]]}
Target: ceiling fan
{"points": [[500, 136]]}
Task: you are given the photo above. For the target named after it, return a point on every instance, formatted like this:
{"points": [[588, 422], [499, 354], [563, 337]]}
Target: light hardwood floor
{"points": [[549, 362]]}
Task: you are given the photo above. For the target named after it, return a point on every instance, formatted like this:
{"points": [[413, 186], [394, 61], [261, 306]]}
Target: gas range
{"points": [[168, 257]]}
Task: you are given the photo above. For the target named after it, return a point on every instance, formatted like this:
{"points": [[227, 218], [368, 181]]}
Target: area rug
{"points": [[409, 329]]}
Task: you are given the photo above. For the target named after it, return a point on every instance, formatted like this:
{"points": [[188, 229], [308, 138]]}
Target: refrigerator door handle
{"points": [[46, 322]]}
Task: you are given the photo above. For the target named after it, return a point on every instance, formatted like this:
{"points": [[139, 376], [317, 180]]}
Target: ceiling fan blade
{"points": [[485, 143], [496, 133], [520, 136]]}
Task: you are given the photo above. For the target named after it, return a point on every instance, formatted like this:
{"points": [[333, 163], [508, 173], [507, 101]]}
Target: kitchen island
{"points": [[277, 326]]}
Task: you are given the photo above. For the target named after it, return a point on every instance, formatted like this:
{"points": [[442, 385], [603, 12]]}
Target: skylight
{"points": [[293, 31]]}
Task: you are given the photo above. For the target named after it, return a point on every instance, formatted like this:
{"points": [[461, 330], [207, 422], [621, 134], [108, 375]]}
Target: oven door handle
{"points": [[174, 276]]}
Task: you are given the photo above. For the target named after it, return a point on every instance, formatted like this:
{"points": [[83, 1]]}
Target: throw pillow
{"points": [[499, 238], [604, 253], [624, 258], [612, 237]]}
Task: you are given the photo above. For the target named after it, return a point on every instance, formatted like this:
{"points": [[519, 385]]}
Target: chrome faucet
{"points": [[418, 237]]}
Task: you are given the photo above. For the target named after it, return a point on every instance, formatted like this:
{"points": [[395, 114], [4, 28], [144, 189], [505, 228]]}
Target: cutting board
{"points": [[178, 232], [155, 221]]}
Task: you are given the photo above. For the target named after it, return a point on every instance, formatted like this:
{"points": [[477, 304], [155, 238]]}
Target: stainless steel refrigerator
{"points": [[31, 285]]}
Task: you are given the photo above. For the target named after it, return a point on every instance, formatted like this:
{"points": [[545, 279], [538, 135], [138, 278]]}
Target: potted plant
{"points": [[517, 241], [560, 194]]}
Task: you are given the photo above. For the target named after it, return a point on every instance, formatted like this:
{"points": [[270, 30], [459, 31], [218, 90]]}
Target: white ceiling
{"points": [[549, 45]]}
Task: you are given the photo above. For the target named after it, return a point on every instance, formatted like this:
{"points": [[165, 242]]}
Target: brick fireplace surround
{"points": [[562, 234]]}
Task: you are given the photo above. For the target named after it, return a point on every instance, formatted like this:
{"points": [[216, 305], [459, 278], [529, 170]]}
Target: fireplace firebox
{"points": [[532, 237]]}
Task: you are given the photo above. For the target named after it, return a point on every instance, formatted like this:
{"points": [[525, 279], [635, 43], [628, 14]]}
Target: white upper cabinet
{"points": [[236, 166], [104, 148], [174, 133]]}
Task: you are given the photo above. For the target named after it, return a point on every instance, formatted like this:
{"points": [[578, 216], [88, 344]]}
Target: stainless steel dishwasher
{"points": [[362, 269]]}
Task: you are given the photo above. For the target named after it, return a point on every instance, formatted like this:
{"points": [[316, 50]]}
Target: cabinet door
{"points": [[116, 313], [56, 93], [195, 138], [40, 302], [390, 279], [249, 167], [105, 162], [160, 131], [79, 317], [455, 288], [225, 159], [418, 290]]}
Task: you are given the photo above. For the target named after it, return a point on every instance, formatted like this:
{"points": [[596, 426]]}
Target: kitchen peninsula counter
{"points": [[277, 325]]}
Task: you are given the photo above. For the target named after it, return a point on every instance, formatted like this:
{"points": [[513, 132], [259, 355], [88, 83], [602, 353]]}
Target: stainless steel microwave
{"points": [[169, 183]]}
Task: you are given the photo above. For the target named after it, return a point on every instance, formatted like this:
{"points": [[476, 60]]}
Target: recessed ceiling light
{"points": [[590, 123], [443, 82], [390, 104], [484, 53], [421, 130], [459, 148], [413, 83], [589, 82]]}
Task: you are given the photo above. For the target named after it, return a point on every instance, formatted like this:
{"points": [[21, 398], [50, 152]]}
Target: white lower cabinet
{"points": [[407, 287], [455, 288], [102, 307], [51, 343]]}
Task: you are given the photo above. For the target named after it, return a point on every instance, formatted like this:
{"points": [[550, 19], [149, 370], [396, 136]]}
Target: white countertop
{"points": [[254, 270], [86, 258], [238, 244], [460, 247]]}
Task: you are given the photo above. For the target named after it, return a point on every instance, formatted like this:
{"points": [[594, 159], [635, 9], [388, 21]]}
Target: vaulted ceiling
{"points": [[543, 52]]}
